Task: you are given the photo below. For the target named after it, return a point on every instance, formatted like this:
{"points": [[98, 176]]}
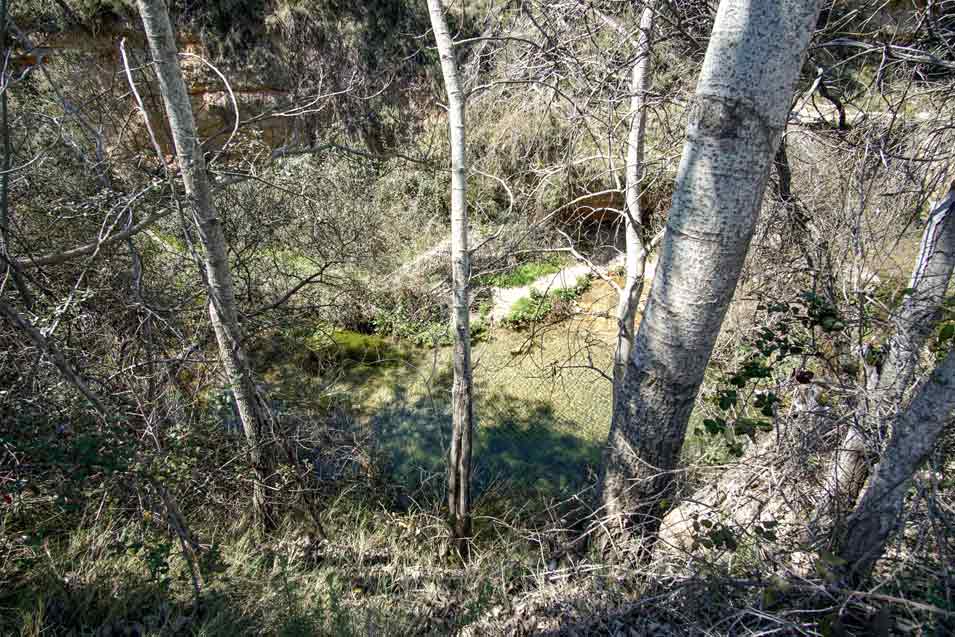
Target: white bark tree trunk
{"points": [[735, 121], [636, 257], [462, 411], [914, 434], [914, 322], [222, 311]]}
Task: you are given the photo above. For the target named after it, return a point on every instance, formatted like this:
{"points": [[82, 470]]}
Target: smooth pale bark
{"points": [[735, 121], [462, 410], [914, 321], [222, 312], [914, 434], [636, 257]]}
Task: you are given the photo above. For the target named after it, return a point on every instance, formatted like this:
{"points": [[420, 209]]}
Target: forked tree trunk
{"points": [[735, 122], [914, 321], [222, 311], [462, 411], [636, 257], [914, 434]]}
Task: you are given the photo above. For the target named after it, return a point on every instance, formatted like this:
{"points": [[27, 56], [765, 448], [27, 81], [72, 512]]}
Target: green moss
{"points": [[352, 346]]}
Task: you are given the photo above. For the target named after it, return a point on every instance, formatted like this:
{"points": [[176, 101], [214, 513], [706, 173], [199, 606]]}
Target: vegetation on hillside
{"points": [[126, 508]]}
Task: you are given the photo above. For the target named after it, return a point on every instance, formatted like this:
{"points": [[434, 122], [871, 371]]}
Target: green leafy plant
{"points": [[712, 534], [820, 312], [744, 409], [527, 310], [412, 318], [156, 556], [521, 275], [554, 305]]}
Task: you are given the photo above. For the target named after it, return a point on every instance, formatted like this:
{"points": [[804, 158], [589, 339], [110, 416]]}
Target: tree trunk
{"points": [[462, 411], [735, 122], [5, 257], [636, 248], [914, 434], [222, 311], [915, 320]]}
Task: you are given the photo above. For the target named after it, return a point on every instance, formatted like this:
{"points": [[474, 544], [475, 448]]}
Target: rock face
{"points": [[77, 58], [290, 72]]}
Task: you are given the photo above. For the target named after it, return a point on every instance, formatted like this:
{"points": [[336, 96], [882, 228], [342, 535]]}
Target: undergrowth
{"points": [[94, 551], [118, 570], [554, 305], [522, 275]]}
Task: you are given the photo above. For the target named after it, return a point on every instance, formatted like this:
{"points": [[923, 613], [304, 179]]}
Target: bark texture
{"points": [[6, 259], [735, 121], [914, 321], [222, 310], [914, 434], [462, 410], [636, 257]]}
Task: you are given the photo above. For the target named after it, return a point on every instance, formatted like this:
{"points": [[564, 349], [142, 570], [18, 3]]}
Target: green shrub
{"points": [[529, 309], [553, 306], [522, 275], [573, 293], [419, 328]]}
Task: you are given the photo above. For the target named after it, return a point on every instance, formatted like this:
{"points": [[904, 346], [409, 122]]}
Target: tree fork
{"points": [[736, 119], [915, 320]]}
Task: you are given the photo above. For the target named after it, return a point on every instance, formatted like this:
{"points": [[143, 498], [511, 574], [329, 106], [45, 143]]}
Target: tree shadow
{"points": [[518, 442]]}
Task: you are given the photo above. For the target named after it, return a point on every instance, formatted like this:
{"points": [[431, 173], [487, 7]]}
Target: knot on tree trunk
{"points": [[730, 119]]}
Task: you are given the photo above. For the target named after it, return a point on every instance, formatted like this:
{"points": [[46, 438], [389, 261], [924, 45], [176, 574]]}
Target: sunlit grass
{"points": [[522, 275]]}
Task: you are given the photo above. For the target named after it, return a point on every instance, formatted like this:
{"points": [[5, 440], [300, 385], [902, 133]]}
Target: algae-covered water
{"points": [[541, 411], [542, 399], [542, 396]]}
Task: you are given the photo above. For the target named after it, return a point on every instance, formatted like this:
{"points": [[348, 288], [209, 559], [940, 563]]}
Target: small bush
{"points": [[554, 306], [529, 309], [412, 316], [572, 294], [411, 326], [522, 275]]}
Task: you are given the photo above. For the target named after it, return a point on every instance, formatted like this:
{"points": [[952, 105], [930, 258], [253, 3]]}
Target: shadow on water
{"points": [[524, 441], [518, 442]]}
